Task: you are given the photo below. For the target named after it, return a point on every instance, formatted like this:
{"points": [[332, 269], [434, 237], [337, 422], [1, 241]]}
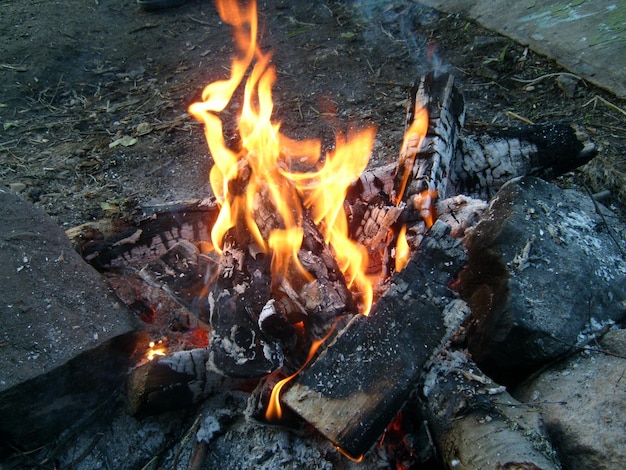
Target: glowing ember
{"points": [[264, 164], [155, 349]]}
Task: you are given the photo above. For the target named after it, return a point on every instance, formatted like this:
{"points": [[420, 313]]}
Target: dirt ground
{"points": [[77, 76]]}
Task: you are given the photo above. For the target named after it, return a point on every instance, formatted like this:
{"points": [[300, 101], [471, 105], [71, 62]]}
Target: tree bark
{"points": [[477, 424]]}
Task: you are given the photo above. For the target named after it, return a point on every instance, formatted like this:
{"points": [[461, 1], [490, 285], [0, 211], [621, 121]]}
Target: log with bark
{"points": [[476, 423]]}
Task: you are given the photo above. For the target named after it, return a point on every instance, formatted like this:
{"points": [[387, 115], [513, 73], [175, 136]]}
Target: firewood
{"points": [[145, 239], [175, 381], [428, 163], [483, 163], [476, 423], [237, 347], [183, 273], [359, 382], [244, 342]]}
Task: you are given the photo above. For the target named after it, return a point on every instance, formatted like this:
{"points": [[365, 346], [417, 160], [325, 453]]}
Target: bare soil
{"points": [[77, 76]]}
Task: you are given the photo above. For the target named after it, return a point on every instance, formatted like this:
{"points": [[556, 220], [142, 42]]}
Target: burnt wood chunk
{"points": [[360, 381], [157, 230], [175, 381], [483, 163], [183, 273], [237, 347], [429, 162]]}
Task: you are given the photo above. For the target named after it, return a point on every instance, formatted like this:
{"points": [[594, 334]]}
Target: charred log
{"points": [[175, 381], [483, 163], [427, 163], [113, 246], [360, 381], [253, 310], [183, 273]]}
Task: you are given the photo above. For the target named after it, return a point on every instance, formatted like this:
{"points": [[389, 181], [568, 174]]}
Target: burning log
{"points": [[360, 381], [253, 312], [445, 163], [425, 162]]}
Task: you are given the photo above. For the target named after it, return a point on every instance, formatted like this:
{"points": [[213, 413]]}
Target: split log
{"points": [[477, 424], [360, 381], [175, 381]]}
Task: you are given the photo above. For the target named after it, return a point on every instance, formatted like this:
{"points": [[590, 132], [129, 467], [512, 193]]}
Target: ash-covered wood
{"points": [[428, 162], [360, 381], [237, 347], [484, 162], [113, 246], [171, 382], [476, 423]]}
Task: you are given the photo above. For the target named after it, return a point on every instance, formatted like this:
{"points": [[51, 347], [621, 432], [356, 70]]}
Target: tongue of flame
{"points": [[265, 159]]}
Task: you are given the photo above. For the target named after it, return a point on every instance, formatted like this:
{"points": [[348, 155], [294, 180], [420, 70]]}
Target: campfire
{"points": [[327, 286]]}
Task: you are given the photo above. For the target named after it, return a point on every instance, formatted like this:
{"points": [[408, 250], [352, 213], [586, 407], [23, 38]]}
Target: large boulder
{"points": [[543, 264], [65, 339]]}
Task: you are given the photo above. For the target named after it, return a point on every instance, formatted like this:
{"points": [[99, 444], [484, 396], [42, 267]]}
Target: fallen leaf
{"points": [[125, 141]]}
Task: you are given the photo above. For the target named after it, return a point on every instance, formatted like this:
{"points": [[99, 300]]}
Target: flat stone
{"points": [[582, 404], [62, 330], [586, 37]]}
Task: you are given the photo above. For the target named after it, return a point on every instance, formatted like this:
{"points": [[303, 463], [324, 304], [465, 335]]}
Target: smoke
{"points": [[389, 22]]}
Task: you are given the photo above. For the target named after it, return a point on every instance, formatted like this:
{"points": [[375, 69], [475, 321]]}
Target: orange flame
{"points": [[402, 250], [263, 164], [274, 410], [413, 138]]}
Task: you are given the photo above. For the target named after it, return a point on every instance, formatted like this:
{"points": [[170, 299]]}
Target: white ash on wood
{"points": [[359, 382], [543, 263], [372, 200], [177, 380]]}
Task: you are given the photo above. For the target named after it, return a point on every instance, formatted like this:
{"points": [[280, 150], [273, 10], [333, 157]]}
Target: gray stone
{"points": [[582, 404], [542, 266], [62, 333]]}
